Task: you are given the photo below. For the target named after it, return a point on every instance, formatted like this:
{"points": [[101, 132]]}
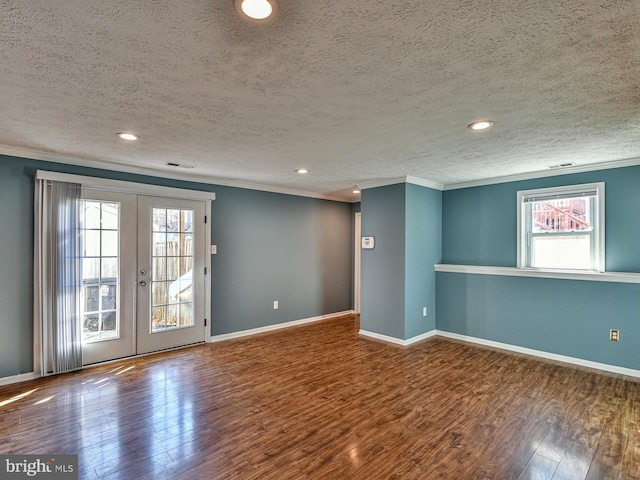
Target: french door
{"points": [[143, 274], [171, 257]]}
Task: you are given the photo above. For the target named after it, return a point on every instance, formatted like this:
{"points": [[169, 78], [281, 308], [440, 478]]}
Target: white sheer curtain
{"points": [[58, 276]]}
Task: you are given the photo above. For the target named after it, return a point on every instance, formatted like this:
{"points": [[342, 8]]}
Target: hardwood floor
{"points": [[320, 402]]}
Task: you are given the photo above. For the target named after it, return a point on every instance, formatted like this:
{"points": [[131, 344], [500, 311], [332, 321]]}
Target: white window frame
{"points": [[597, 220]]}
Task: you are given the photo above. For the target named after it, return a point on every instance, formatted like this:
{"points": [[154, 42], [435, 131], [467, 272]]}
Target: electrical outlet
{"points": [[424, 311], [614, 335], [275, 304]]}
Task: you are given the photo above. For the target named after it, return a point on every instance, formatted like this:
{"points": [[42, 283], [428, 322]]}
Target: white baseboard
{"points": [[398, 341], [23, 377], [277, 326], [542, 354]]}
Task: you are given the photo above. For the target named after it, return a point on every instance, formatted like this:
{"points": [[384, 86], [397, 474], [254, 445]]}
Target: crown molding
{"points": [[382, 182], [119, 167], [125, 168], [629, 162], [394, 181], [424, 183]]}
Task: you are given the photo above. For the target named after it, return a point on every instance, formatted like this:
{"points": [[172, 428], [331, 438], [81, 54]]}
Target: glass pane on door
{"points": [[100, 271], [172, 265]]}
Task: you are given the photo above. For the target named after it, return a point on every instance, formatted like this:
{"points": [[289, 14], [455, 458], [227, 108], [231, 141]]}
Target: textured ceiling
{"points": [[356, 91]]}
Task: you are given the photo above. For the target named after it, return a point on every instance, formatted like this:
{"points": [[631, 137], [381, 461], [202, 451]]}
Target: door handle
{"points": [[143, 283]]}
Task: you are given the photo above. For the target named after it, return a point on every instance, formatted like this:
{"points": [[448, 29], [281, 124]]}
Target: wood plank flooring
{"points": [[320, 402]]}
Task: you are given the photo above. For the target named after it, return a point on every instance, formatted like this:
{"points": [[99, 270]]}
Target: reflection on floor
{"points": [[320, 402]]}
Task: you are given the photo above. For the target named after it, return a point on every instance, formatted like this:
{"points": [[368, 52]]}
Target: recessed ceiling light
{"points": [[481, 125], [302, 171], [356, 191], [128, 136], [257, 9]]}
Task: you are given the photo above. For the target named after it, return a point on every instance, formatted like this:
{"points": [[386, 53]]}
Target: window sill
{"points": [[618, 277]]}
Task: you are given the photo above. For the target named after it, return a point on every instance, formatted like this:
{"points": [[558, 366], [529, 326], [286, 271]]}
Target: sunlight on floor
{"points": [[44, 400], [125, 370], [17, 397]]}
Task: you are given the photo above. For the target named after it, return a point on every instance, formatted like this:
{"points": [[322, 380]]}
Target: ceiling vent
{"points": [[563, 165], [179, 165]]}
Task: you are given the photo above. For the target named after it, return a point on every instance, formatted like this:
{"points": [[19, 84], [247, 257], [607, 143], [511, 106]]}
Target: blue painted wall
{"points": [[423, 250], [300, 251], [382, 268], [276, 247], [16, 269], [271, 247], [479, 224], [398, 278], [565, 317]]}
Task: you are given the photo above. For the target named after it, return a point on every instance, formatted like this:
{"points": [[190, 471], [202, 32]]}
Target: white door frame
{"points": [[357, 262], [97, 183]]}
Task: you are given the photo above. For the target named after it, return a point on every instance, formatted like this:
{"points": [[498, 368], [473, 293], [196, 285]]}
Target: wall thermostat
{"points": [[368, 242]]}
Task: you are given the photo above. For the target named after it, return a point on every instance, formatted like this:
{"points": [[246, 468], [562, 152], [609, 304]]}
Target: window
{"points": [[562, 228], [173, 258], [100, 275]]}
